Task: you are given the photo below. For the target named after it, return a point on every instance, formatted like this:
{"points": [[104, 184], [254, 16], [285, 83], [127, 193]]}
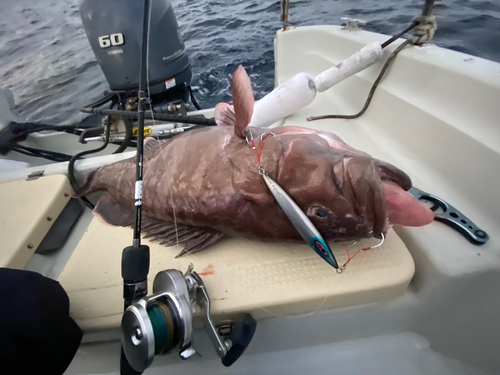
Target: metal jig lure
{"points": [[297, 217]]}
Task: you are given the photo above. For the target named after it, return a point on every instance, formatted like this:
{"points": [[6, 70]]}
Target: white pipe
{"points": [[287, 98], [362, 59]]}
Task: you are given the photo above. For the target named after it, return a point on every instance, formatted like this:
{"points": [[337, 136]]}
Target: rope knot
{"points": [[424, 31]]}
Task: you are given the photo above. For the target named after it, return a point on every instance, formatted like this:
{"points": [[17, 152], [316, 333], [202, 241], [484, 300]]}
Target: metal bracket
{"points": [[225, 328], [35, 175], [181, 106], [90, 132], [116, 124], [352, 24]]}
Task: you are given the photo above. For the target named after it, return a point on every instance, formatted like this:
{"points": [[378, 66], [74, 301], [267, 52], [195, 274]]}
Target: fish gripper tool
{"points": [[452, 217]]}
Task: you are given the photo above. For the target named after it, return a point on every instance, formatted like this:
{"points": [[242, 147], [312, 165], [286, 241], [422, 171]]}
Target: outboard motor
{"points": [[114, 29]]}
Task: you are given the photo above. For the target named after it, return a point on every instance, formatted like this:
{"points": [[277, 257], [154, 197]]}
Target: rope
{"points": [[397, 36], [285, 6], [424, 29]]}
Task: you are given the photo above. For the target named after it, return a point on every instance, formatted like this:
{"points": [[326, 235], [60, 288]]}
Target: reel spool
{"points": [[163, 322]]}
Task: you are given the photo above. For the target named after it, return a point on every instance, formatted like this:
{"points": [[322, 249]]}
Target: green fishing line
{"points": [[160, 329]]}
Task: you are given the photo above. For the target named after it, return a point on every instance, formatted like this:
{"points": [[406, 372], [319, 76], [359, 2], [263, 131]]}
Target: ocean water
{"points": [[47, 63]]}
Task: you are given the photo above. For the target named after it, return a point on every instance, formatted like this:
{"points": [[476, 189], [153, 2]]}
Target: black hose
{"points": [[193, 100], [22, 129], [40, 154], [71, 167], [102, 101], [128, 136], [19, 132], [195, 120], [51, 155]]}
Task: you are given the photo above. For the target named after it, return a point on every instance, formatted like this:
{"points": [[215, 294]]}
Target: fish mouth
{"points": [[402, 208], [389, 172], [361, 181]]}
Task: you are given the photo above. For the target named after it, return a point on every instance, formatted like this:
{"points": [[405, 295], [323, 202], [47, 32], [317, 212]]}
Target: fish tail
{"points": [[87, 187]]}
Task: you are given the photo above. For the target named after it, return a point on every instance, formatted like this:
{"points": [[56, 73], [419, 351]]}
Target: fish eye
{"points": [[321, 213]]}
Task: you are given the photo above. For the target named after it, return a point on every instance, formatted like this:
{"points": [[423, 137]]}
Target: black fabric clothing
{"points": [[37, 335]]}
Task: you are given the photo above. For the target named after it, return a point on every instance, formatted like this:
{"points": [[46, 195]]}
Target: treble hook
{"points": [[262, 136], [266, 134], [251, 137], [381, 242]]}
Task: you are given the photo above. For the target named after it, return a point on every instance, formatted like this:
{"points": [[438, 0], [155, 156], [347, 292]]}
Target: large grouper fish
{"points": [[205, 184]]}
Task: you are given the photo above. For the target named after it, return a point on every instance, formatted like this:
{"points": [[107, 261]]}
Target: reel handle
{"points": [[242, 333], [241, 336]]}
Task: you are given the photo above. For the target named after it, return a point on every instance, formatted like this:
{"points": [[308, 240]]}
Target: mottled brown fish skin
{"points": [[210, 178], [205, 183]]}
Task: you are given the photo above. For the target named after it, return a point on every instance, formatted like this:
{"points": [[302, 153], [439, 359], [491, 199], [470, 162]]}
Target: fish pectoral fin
{"points": [[111, 212]]}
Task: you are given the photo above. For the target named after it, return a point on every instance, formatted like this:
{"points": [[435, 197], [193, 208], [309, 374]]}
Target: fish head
{"points": [[341, 190]]}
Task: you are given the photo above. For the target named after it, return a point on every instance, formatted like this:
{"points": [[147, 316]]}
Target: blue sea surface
{"points": [[47, 62]]}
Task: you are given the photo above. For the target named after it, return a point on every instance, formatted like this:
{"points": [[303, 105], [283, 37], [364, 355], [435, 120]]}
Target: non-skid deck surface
{"points": [[240, 275], [27, 211]]}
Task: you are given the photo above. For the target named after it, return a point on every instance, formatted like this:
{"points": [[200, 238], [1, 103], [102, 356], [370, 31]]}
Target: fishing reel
{"points": [[163, 322]]}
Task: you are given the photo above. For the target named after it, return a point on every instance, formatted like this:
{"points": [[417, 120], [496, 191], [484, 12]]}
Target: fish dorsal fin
{"points": [[224, 115], [243, 101]]}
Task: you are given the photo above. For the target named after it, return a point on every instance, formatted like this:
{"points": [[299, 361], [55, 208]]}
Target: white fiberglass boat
{"points": [[425, 302]]}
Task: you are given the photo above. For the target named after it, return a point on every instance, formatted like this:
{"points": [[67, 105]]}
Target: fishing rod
{"points": [[158, 324], [135, 258], [194, 120]]}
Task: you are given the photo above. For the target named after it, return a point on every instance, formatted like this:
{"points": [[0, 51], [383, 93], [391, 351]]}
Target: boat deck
{"points": [[241, 276]]}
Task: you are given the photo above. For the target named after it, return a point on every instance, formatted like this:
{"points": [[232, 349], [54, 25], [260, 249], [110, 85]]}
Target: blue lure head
{"points": [[323, 250]]}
